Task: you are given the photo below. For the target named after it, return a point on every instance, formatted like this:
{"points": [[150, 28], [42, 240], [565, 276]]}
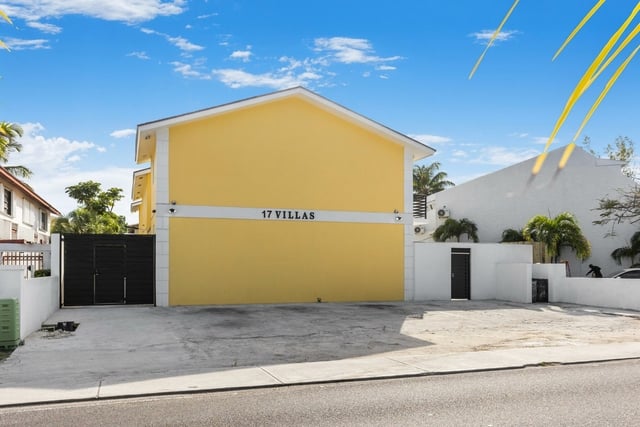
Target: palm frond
{"points": [[578, 27], [493, 38]]}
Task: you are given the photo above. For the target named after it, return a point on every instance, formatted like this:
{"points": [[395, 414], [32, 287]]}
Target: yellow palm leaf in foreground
{"points": [[6, 18], [584, 83], [493, 38], [599, 64]]}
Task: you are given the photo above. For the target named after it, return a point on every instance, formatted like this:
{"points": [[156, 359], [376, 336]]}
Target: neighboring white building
{"points": [[24, 215], [509, 197]]}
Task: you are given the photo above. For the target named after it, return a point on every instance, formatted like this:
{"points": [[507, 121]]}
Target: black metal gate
{"points": [[460, 273], [107, 269]]}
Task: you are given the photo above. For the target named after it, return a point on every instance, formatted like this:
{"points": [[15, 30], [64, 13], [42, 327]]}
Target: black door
{"points": [[109, 277], [460, 273]]}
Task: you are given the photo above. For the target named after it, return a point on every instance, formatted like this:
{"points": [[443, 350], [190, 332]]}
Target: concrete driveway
{"points": [[147, 349]]}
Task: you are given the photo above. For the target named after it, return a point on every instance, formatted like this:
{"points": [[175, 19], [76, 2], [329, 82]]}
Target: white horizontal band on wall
{"points": [[282, 214]]}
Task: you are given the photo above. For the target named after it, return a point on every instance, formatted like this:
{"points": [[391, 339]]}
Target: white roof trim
{"points": [[419, 149]]}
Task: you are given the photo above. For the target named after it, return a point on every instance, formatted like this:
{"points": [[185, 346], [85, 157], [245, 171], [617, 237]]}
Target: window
{"points": [[633, 274], [26, 212], [7, 202], [44, 221]]}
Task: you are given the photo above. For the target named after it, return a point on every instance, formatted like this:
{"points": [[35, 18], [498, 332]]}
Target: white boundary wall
{"points": [[39, 297], [498, 271], [610, 293]]}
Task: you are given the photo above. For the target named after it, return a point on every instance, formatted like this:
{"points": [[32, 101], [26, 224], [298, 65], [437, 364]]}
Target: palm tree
{"points": [[630, 251], [454, 229], [563, 230], [427, 180], [512, 235], [9, 132]]}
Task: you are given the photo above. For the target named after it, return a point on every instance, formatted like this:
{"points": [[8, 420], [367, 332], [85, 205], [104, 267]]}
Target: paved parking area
{"points": [[133, 344]]}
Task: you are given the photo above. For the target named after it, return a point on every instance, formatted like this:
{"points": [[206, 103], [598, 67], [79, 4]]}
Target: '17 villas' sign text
{"points": [[288, 214]]}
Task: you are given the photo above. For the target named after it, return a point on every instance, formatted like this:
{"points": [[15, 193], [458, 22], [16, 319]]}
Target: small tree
{"points": [[512, 235], [562, 230], [454, 229], [630, 251], [94, 214], [623, 150]]}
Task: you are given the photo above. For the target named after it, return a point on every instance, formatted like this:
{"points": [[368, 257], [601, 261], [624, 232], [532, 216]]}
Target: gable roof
{"points": [[549, 168], [8, 177], [145, 135]]}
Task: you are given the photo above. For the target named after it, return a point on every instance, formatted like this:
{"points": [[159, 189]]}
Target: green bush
{"points": [[42, 273]]}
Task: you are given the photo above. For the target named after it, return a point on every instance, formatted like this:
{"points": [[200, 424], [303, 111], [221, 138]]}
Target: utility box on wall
{"points": [[9, 324]]}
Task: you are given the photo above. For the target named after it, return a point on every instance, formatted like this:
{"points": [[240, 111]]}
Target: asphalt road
{"points": [[576, 395]]}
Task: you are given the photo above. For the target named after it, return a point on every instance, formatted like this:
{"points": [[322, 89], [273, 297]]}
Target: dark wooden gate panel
{"points": [[109, 274], [108, 269], [460, 273]]}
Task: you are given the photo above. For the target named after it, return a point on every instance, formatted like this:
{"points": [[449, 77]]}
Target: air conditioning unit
{"points": [[443, 213], [419, 229]]}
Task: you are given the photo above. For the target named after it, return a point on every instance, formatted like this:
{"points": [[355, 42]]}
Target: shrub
{"points": [[42, 273]]}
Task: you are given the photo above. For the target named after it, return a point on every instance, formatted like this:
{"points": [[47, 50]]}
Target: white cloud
{"points": [[348, 50], [210, 15], [484, 36], [58, 162], [45, 28], [542, 140], [21, 44], [310, 71], [188, 71], [123, 133], [184, 44], [129, 11], [139, 55], [502, 156], [239, 78], [243, 55], [431, 139], [179, 42]]}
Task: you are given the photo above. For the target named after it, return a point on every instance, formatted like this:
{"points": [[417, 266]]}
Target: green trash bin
{"points": [[9, 324]]}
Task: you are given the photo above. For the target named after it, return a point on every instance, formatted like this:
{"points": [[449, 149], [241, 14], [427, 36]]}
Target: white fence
{"points": [[611, 293], [498, 271], [33, 256]]}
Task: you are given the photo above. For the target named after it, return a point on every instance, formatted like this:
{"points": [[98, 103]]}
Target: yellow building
{"points": [[286, 197]]}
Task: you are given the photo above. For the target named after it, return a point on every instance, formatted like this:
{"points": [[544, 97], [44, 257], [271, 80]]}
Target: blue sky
{"points": [[81, 75]]}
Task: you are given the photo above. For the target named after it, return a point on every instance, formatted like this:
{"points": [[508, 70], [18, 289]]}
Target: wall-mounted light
{"points": [[172, 210], [398, 218]]}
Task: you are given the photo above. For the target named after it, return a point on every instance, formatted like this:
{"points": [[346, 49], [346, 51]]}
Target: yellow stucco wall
{"points": [[145, 213], [285, 154], [244, 261]]}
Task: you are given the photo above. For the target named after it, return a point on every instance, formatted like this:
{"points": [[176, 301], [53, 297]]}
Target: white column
{"points": [[161, 169], [409, 267]]}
